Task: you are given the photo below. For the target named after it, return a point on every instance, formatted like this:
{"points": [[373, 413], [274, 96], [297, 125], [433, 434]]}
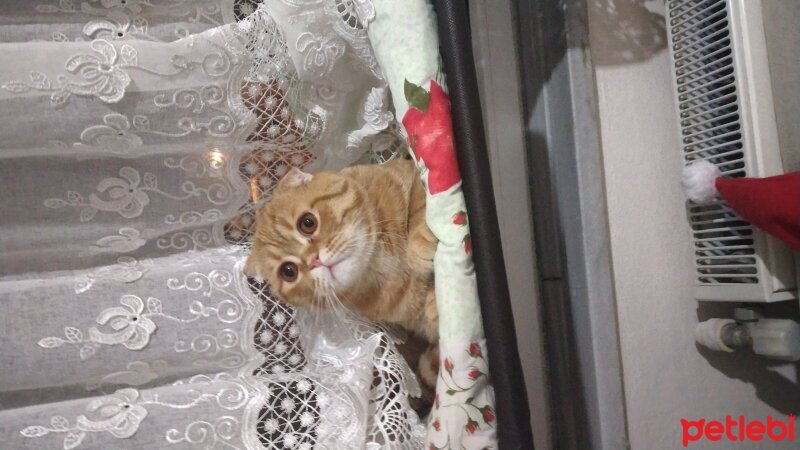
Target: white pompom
{"points": [[698, 181]]}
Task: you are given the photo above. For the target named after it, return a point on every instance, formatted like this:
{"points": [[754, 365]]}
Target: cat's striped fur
{"points": [[370, 249]]}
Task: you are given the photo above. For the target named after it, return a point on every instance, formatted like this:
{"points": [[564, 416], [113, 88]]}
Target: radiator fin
{"points": [[711, 129]]}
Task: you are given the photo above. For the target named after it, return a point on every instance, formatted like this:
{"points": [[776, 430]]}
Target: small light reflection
{"points": [[216, 158]]}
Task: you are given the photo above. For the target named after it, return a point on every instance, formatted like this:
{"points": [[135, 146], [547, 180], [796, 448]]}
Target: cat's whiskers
{"points": [[335, 246], [399, 246], [342, 312], [332, 302], [381, 222], [318, 299], [342, 243], [316, 306], [390, 238], [386, 233], [391, 263]]}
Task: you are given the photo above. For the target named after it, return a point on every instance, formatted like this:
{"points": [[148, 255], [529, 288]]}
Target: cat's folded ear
{"points": [[295, 178]]}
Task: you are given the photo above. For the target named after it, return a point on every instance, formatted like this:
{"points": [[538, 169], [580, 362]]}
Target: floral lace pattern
{"points": [[126, 270], [119, 415], [101, 74], [128, 195], [178, 119]]}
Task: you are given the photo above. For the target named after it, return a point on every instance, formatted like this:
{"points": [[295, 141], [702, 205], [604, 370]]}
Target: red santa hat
{"points": [[771, 204]]}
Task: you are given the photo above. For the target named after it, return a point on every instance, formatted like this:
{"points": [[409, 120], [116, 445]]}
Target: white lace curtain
{"points": [[136, 137]]}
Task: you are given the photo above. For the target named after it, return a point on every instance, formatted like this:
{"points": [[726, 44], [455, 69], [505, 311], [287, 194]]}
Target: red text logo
{"points": [[738, 430]]}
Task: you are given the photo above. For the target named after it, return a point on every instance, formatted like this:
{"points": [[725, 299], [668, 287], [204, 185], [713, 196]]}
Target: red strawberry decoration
{"points": [[471, 427], [448, 365], [488, 414], [460, 218], [475, 350], [437, 425], [474, 374], [467, 245], [430, 134]]}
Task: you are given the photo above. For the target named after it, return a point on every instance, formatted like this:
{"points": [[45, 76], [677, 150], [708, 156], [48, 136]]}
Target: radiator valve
{"points": [[772, 338]]}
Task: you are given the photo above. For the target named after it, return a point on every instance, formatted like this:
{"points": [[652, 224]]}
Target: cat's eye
{"points": [[288, 271], [307, 224]]}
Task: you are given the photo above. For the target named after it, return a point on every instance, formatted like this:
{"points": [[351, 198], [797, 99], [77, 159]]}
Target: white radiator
{"points": [[735, 67]]}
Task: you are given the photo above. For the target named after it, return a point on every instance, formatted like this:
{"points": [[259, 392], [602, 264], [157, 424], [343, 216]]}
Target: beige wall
{"points": [[665, 375]]}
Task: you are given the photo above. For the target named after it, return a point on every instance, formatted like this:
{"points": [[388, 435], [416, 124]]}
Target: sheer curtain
{"points": [[137, 136]]}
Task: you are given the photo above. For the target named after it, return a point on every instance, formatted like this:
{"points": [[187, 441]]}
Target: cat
{"points": [[355, 238]]}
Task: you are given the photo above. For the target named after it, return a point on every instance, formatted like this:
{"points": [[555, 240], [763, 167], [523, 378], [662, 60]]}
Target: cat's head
{"points": [[315, 237]]}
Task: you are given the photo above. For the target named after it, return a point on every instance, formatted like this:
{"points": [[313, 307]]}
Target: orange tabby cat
{"points": [[357, 237]]}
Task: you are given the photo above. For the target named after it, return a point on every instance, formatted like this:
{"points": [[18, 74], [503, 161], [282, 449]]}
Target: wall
{"points": [[666, 377]]}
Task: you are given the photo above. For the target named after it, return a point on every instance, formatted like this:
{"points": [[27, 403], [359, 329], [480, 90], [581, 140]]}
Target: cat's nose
{"points": [[314, 261]]}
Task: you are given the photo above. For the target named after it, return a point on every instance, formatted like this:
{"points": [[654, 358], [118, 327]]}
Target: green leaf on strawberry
{"points": [[416, 96]]}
